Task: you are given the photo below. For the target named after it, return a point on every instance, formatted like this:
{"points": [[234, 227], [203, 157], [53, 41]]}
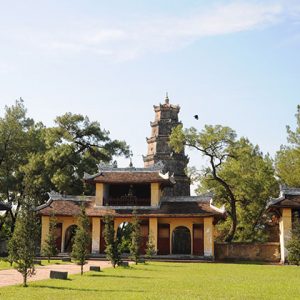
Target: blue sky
{"points": [[234, 63]]}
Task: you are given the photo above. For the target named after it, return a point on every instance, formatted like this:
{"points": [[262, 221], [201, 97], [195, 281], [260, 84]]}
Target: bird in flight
{"points": [[196, 117]]}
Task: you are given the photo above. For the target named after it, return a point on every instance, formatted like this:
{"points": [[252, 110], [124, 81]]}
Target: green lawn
{"points": [[160, 280], [5, 265]]}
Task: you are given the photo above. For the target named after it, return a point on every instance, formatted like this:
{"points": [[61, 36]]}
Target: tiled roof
{"points": [[130, 177], [71, 207], [289, 198], [111, 174]]}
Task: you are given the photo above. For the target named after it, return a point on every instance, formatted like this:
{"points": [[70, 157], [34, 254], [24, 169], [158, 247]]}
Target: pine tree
{"points": [[293, 245], [81, 239], [22, 245], [49, 247], [135, 238], [113, 249], [150, 248]]}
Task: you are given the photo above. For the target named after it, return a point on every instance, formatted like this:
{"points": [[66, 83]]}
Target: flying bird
{"points": [[196, 117]]}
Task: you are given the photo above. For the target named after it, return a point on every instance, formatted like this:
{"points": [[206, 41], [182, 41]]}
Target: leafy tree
{"points": [[150, 249], [288, 157], [112, 250], [22, 245], [49, 247], [216, 143], [82, 239], [293, 245], [74, 146], [124, 236], [135, 246], [19, 138], [238, 174], [35, 159]]}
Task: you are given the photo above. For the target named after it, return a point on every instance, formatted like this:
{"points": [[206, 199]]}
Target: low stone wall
{"points": [[269, 252]]}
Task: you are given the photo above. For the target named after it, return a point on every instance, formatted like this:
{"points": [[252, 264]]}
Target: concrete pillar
{"points": [[45, 229], [153, 231], [155, 194], [285, 226], [96, 235], [208, 237], [99, 194]]}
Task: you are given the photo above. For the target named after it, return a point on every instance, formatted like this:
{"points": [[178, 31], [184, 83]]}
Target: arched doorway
{"points": [[181, 240], [124, 236], [69, 237]]}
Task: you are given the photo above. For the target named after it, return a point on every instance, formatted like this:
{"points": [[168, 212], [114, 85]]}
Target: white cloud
{"points": [[137, 37]]}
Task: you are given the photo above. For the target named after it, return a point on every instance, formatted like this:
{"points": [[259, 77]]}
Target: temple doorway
{"points": [[124, 236], [69, 238], [181, 240]]}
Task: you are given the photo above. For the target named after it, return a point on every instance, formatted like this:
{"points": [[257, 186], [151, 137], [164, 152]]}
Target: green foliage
{"points": [[150, 248], [82, 239], [49, 247], [135, 247], [124, 237], [288, 157], [74, 146], [293, 245], [22, 244], [35, 159], [19, 137], [113, 249], [238, 174]]}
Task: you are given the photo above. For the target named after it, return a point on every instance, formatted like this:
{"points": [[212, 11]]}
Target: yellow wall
{"points": [[208, 237], [45, 229], [153, 224], [66, 222], [96, 227], [285, 226], [99, 194], [153, 231], [155, 194], [175, 222]]}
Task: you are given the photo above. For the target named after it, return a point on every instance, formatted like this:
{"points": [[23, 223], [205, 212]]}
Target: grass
{"points": [[4, 265], [160, 280]]}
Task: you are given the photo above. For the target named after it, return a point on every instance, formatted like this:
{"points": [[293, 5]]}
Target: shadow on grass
{"points": [[84, 290], [118, 276]]}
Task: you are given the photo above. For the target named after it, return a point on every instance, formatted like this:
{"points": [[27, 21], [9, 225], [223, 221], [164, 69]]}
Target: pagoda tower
{"points": [[166, 118]]}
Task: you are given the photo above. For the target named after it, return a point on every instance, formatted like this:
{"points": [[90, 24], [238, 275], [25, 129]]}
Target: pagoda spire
{"points": [[167, 101]]}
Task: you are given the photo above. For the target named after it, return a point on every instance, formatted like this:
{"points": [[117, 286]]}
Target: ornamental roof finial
{"points": [[167, 98]]}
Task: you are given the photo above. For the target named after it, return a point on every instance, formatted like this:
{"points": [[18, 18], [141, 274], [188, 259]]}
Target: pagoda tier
{"points": [[166, 119]]}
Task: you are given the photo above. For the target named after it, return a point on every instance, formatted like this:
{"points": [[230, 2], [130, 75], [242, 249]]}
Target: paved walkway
{"points": [[12, 276]]}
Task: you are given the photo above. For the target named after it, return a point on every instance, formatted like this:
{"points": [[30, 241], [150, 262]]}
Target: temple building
{"points": [[159, 192], [287, 208]]}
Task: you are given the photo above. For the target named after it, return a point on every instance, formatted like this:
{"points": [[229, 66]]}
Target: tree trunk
{"points": [[232, 230], [25, 279], [81, 269]]}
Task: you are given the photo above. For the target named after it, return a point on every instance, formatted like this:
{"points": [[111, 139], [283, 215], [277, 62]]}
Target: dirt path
{"points": [[12, 276]]}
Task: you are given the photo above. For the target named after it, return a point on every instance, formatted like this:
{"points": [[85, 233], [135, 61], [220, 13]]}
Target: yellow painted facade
{"points": [[155, 194], [208, 237], [45, 229], [153, 231], [99, 194], [66, 223], [176, 222], [96, 229], [285, 227]]}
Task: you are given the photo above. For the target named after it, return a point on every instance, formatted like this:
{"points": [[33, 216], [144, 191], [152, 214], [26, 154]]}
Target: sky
{"points": [[234, 63]]}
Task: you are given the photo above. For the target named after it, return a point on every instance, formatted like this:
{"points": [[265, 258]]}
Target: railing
{"points": [[127, 201]]}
